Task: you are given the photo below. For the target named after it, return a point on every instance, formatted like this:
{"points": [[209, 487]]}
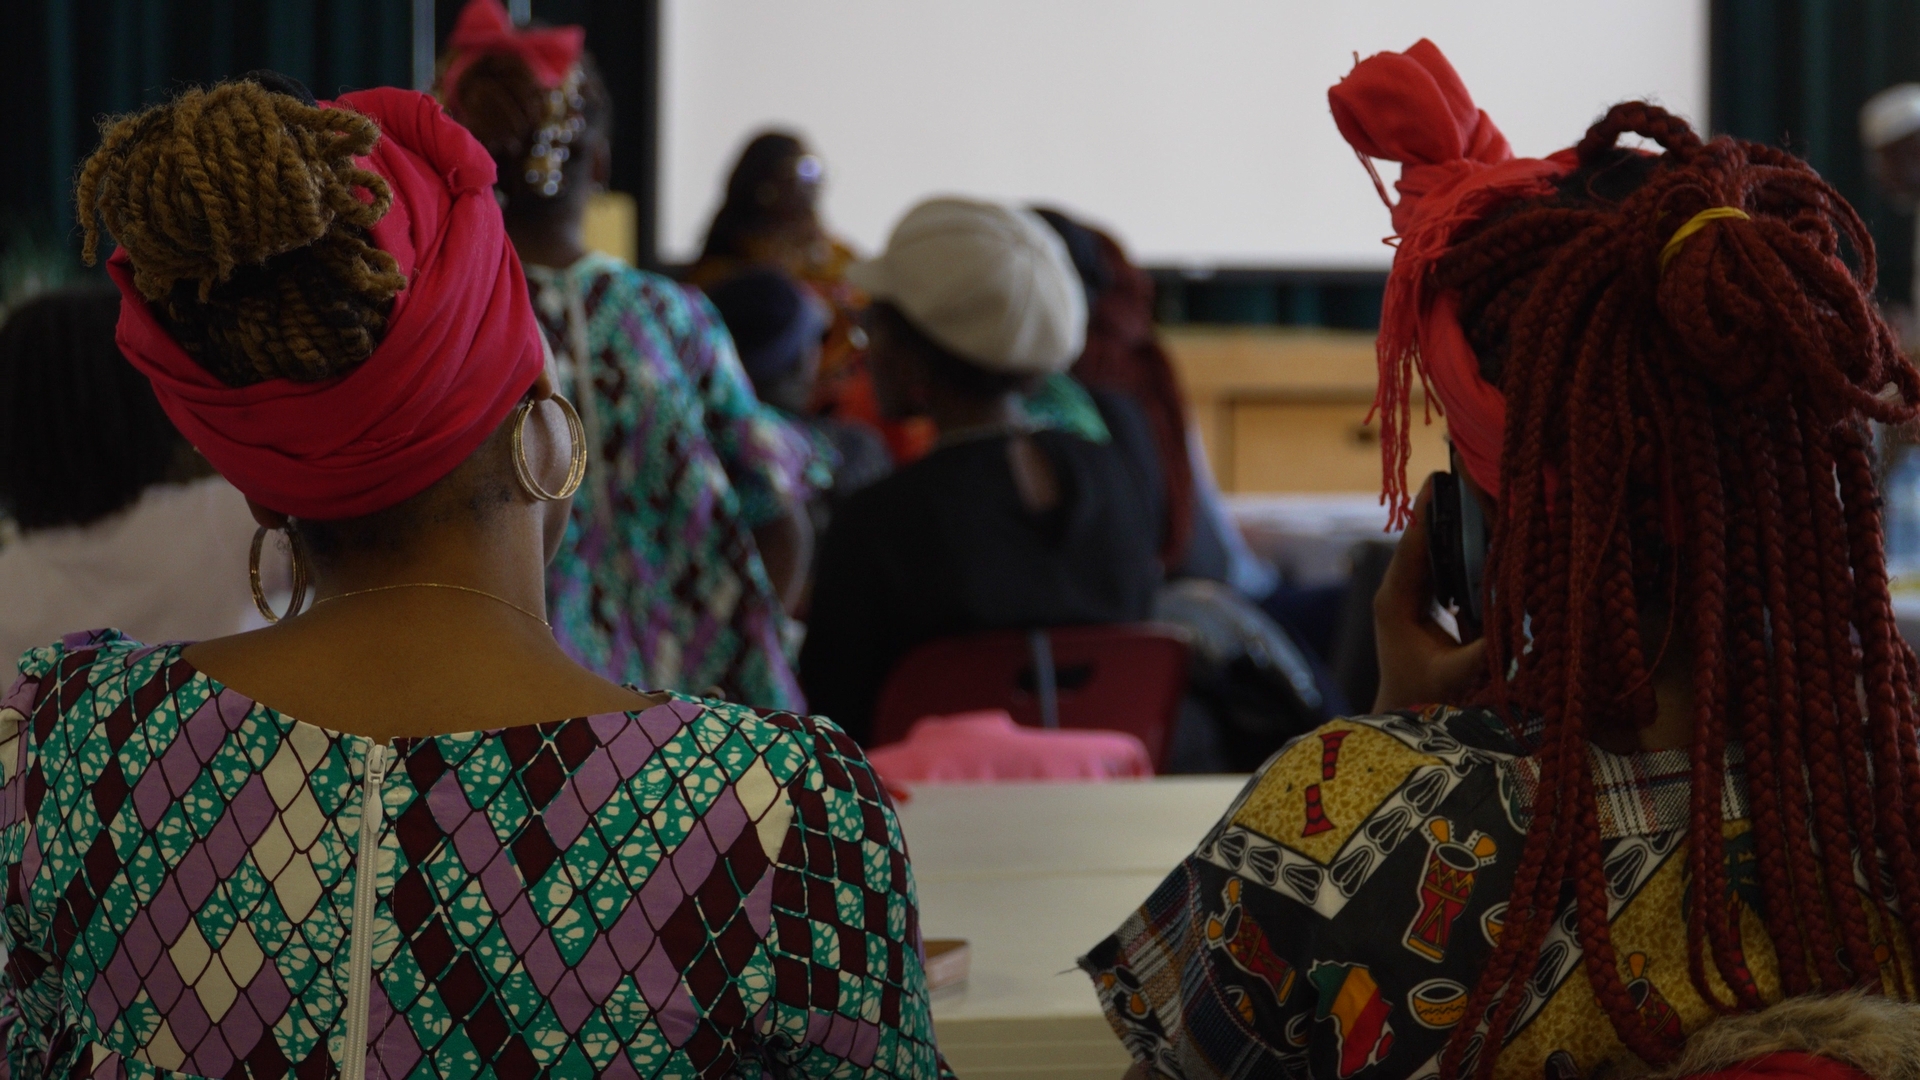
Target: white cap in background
{"points": [[1890, 115], [989, 283]]}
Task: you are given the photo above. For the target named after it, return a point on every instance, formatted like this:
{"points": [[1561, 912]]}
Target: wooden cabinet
{"points": [[1285, 410]]}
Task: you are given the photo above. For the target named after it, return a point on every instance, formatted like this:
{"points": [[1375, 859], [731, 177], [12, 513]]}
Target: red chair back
{"points": [[1125, 677]]}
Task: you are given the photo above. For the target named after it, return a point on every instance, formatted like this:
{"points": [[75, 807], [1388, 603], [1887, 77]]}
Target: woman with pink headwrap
{"points": [[400, 832]]}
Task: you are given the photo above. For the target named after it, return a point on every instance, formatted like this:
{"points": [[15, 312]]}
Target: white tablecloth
{"points": [[1033, 875]]}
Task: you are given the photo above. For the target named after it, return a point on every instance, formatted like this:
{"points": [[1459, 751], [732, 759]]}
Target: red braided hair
{"points": [[1692, 442]]}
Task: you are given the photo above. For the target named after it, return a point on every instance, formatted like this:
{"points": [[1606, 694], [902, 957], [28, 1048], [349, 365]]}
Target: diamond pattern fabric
{"points": [[698, 890]]}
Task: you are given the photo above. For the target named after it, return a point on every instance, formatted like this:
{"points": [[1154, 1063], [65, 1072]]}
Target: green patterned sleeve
{"points": [[849, 987], [32, 1030]]}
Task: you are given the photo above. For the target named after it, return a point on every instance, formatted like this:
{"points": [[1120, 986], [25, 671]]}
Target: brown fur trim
{"points": [[1877, 1035]]}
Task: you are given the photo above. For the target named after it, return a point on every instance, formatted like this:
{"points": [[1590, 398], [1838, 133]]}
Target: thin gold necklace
{"points": [[436, 585]]}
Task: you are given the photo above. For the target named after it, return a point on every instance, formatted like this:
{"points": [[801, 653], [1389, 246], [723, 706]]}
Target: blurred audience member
{"points": [[770, 217], [1677, 746], [693, 531], [1890, 131], [470, 854], [1002, 524], [777, 325], [120, 522], [1123, 355]]}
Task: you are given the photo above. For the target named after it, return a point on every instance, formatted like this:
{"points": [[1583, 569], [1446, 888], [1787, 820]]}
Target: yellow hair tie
{"points": [[1695, 224]]}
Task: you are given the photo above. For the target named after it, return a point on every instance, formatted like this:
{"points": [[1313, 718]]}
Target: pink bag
{"points": [[987, 746]]}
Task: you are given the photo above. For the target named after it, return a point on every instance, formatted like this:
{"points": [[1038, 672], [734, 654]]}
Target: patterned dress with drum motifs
{"points": [[1335, 920]]}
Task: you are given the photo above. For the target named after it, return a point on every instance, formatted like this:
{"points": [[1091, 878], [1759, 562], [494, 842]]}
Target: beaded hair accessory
{"points": [[553, 55], [553, 145]]}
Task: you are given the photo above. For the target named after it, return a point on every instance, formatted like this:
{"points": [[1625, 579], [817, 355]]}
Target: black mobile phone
{"points": [[1457, 550]]}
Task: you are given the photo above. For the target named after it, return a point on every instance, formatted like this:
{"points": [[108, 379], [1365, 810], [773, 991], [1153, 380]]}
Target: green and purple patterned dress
{"points": [[659, 583], [194, 889]]}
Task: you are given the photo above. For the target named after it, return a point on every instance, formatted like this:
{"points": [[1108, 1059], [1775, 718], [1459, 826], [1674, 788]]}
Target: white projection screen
{"points": [[1196, 129]]}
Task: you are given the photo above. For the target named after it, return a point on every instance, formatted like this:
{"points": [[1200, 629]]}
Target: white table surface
{"points": [[1034, 875]]}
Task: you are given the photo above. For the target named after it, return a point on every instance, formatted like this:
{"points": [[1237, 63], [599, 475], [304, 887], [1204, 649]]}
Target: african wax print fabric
{"points": [[658, 582], [1335, 920], [193, 890]]}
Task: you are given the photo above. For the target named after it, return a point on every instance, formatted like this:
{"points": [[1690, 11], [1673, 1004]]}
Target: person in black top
{"points": [[1001, 525]]}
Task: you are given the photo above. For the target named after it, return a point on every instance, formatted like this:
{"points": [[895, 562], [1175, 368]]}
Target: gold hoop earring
{"points": [[299, 576], [577, 455]]}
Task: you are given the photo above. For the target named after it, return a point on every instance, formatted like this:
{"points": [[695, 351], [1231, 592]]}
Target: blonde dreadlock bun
{"points": [[242, 212]]}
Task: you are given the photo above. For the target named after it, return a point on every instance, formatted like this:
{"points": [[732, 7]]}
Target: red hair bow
{"points": [[1455, 167], [485, 29]]}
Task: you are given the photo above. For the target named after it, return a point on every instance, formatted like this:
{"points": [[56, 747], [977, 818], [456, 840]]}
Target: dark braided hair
{"points": [[246, 220], [1694, 442], [81, 434]]}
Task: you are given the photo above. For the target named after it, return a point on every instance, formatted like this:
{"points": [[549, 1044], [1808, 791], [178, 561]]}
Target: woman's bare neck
{"points": [[446, 636]]}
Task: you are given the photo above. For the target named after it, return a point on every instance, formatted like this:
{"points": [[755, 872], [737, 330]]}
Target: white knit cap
{"points": [[990, 283], [1890, 115]]}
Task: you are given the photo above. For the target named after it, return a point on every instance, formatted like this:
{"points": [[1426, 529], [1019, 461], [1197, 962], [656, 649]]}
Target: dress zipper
{"points": [[360, 948]]}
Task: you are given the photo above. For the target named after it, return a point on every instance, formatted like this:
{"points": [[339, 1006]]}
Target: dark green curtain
{"points": [[66, 63], [1795, 73], [73, 61]]}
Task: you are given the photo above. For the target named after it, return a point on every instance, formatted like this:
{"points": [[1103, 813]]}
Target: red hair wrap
{"points": [[461, 347], [1455, 167], [484, 29]]}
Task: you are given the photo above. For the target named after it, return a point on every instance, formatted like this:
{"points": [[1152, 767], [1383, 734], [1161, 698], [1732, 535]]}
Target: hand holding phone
{"points": [[1457, 550], [1420, 663]]}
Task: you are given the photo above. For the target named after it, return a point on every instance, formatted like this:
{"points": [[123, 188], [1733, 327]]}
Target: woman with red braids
{"points": [[1662, 815]]}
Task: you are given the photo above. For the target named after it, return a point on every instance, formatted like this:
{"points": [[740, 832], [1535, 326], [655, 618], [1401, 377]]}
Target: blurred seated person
{"points": [[1890, 133], [1002, 525], [777, 326], [1253, 684], [120, 522], [686, 550], [1123, 355], [769, 217]]}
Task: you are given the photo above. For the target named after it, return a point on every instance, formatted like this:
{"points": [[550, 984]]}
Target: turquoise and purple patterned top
{"points": [[193, 889], [659, 582]]}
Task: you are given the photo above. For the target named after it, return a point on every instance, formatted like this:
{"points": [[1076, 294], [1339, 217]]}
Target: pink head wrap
{"points": [[461, 347], [484, 29], [1455, 167]]}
